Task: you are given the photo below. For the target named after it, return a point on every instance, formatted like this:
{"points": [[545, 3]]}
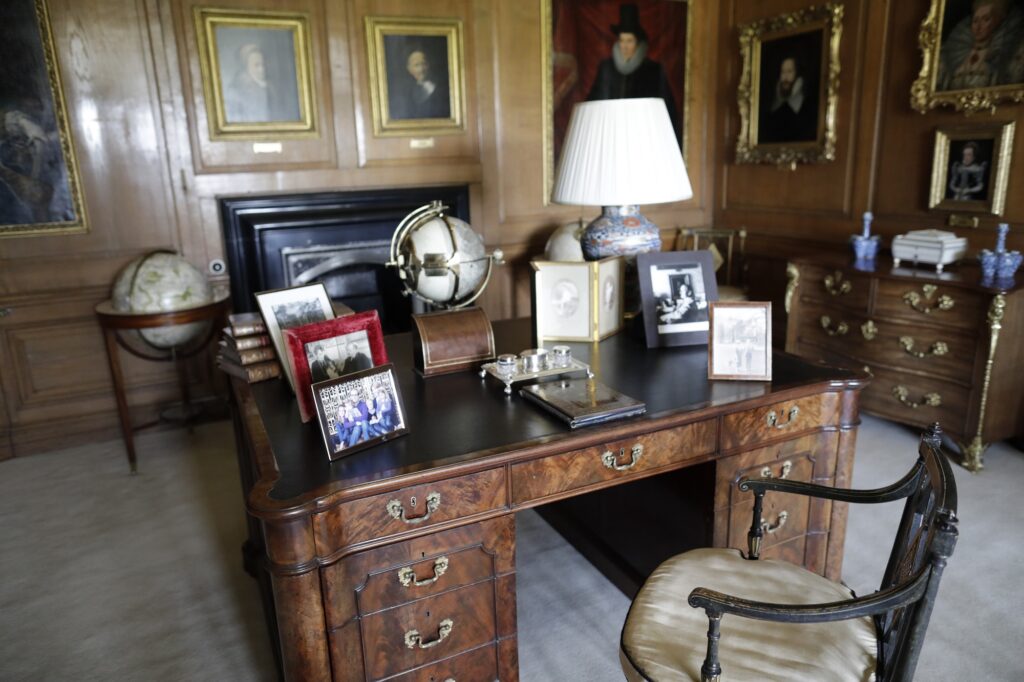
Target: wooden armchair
{"points": [[727, 251], [812, 629]]}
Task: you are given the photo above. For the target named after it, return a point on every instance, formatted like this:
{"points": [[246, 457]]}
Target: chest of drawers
{"points": [[940, 347]]}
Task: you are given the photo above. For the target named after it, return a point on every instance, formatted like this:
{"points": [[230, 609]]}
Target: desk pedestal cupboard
{"points": [[941, 346], [398, 562]]}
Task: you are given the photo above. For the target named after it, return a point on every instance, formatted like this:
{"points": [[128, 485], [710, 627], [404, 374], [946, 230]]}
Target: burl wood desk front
{"points": [[398, 562]]}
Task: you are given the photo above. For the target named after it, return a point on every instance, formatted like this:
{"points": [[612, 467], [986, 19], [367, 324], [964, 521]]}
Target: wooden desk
{"points": [[426, 589]]}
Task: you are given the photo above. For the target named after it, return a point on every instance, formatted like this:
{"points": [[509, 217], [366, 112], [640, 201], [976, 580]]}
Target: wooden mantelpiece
{"points": [[349, 586]]}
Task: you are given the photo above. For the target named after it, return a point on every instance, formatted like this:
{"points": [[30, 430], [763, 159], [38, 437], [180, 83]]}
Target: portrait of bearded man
{"points": [[788, 100]]}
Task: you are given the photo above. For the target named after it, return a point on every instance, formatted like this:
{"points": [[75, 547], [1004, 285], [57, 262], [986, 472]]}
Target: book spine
{"points": [[254, 355], [251, 373], [248, 329], [249, 342]]}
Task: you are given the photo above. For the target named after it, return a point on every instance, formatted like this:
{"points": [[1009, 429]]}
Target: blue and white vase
{"points": [[620, 231]]}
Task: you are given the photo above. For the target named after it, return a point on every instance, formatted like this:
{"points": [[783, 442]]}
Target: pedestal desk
{"points": [[943, 347], [398, 562]]}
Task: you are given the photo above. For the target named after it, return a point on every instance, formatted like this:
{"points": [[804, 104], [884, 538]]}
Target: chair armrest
{"points": [[896, 491]]}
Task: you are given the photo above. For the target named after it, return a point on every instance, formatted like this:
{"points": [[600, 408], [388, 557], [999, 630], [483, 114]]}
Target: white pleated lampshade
{"points": [[620, 152]]}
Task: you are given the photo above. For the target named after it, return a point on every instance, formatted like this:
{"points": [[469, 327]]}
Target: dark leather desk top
{"points": [[460, 419]]}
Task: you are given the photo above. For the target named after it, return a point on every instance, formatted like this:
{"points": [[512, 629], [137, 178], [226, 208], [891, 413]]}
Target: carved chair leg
{"points": [[756, 533], [711, 670]]}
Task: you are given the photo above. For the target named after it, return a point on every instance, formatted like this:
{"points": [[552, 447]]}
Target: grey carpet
{"points": [[105, 576]]}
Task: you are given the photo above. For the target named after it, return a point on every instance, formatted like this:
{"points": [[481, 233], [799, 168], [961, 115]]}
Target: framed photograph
{"points": [[577, 301], [973, 55], [591, 46], [359, 410], [971, 167], [789, 87], [256, 70], [676, 289], [740, 346], [286, 308], [417, 76], [40, 186], [331, 349]]}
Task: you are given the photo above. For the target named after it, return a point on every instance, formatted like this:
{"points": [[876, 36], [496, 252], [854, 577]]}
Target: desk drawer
{"points": [[479, 664], [913, 399], [835, 287], [429, 630], [932, 304], [618, 459], [779, 420], [408, 509]]}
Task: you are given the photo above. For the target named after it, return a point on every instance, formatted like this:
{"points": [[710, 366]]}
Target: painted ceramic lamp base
{"points": [[620, 231]]}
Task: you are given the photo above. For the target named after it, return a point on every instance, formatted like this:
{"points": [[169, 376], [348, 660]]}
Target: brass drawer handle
{"points": [[840, 329], [407, 576], [397, 510], [902, 394], [780, 521], [773, 419], [787, 466], [413, 639], [609, 459], [836, 285], [869, 330], [938, 348], [913, 299]]}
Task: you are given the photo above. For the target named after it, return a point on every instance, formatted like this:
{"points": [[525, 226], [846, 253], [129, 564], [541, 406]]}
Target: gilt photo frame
{"points": [[577, 301], [971, 167], [359, 410], [331, 349], [740, 344], [676, 288], [257, 74], [40, 182], [789, 87], [417, 76], [972, 55]]}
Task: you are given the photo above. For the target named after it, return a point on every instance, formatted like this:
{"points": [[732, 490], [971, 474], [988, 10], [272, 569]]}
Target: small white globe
{"points": [[446, 258], [564, 243], [162, 282]]}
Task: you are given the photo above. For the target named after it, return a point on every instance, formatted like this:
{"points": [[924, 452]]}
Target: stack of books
{"points": [[246, 351]]}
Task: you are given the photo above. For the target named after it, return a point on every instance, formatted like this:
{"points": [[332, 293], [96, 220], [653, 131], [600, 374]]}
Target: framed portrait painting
{"points": [[676, 289], [971, 167], [40, 186], [417, 76], [973, 55], [359, 410], [287, 308], [331, 349], [789, 87], [610, 49], [256, 72], [740, 346]]}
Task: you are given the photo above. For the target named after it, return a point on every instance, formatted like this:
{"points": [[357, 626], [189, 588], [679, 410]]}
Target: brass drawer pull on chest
{"points": [[609, 459], [938, 348], [913, 299], [787, 466], [413, 640], [396, 510], [773, 420], [839, 330], [902, 394], [780, 521], [407, 576], [869, 330], [836, 285]]}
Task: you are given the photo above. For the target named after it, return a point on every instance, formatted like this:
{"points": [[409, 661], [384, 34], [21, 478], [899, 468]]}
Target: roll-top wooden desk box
{"points": [[939, 346], [398, 562]]}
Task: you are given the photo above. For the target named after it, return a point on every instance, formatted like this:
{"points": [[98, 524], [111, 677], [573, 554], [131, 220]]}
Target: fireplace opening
{"points": [[341, 239]]}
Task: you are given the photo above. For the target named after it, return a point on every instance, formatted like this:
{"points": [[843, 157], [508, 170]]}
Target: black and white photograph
{"points": [[970, 169], [359, 410], [40, 190], [332, 358], [740, 343], [416, 75], [676, 289], [257, 71], [289, 308]]}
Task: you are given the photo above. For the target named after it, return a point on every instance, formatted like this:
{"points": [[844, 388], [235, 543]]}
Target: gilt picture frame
{"points": [[417, 76], [577, 301], [40, 183], [789, 87], [360, 410], [952, 35], [256, 69], [971, 167], [577, 39]]}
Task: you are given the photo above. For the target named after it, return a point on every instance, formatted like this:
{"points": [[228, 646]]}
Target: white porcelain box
{"points": [[931, 247]]}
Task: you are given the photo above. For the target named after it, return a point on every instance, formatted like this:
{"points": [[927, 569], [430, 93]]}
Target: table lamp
{"points": [[618, 154]]}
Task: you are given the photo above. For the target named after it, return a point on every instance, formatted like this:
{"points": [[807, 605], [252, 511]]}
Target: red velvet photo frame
{"points": [[331, 349]]}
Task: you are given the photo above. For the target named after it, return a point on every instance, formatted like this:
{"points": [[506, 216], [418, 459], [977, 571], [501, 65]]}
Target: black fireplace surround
{"points": [[339, 238]]}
